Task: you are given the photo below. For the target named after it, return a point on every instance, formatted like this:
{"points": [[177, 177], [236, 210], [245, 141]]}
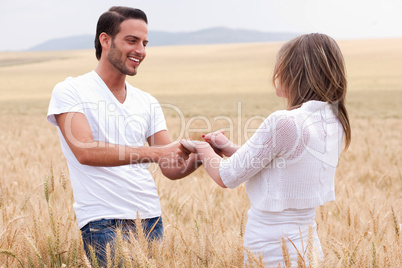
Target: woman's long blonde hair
{"points": [[311, 67]]}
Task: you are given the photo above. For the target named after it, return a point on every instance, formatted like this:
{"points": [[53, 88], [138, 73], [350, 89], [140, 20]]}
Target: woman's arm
{"points": [[209, 158], [273, 139]]}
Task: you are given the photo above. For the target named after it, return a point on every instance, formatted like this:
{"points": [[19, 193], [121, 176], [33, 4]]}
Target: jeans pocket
{"points": [[98, 229]]}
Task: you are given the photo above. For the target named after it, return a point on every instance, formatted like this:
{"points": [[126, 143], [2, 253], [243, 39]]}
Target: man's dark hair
{"points": [[109, 23]]}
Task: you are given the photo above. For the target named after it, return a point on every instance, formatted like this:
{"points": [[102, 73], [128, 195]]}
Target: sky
{"points": [[26, 23]]}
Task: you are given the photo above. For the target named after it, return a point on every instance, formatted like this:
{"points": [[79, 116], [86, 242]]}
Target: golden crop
{"points": [[202, 88]]}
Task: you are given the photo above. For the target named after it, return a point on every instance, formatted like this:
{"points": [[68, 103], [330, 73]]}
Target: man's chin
{"points": [[131, 73]]}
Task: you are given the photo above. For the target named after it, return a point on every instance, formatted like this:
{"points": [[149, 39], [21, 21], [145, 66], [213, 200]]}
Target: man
{"points": [[103, 123]]}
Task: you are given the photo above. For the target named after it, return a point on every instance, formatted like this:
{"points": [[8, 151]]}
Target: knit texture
{"points": [[290, 161]]}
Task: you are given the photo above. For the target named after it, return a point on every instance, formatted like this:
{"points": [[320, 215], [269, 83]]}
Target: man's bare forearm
{"points": [[106, 154]]}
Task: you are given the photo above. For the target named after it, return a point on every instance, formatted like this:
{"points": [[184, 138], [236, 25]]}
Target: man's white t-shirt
{"points": [[109, 192]]}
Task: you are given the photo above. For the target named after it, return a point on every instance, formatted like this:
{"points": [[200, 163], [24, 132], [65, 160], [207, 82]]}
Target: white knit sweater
{"points": [[290, 161]]}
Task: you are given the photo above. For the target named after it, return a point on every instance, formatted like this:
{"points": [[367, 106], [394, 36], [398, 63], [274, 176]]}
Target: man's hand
{"points": [[171, 155], [192, 145], [174, 159]]}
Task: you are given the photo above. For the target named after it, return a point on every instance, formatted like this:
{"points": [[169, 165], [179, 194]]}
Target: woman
{"points": [[289, 163]]}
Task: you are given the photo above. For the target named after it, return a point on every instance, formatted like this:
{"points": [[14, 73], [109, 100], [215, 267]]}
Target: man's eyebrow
{"points": [[132, 36]]}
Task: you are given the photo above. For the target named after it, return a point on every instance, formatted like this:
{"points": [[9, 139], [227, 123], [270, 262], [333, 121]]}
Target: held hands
{"points": [[195, 146], [210, 152], [202, 149], [172, 154], [220, 144], [217, 141]]}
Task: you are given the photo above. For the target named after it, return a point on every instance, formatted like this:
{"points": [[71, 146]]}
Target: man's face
{"points": [[127, 50]]}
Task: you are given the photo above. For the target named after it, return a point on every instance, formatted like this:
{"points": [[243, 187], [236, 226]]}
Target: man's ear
{"points": [[105, 40]]}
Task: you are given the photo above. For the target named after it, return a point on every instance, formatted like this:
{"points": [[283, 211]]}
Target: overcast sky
{"points": [[26, 23]]}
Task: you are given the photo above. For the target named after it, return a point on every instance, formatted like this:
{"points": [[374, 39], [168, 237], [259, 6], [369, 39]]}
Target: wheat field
{"points": [[202, 89]]}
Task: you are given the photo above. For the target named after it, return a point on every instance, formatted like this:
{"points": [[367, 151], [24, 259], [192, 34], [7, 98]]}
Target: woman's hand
{"points": [[207, 156], [220, 144]]}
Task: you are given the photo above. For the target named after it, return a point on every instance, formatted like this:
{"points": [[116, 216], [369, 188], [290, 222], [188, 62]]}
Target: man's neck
{"points": [[113, 78]]}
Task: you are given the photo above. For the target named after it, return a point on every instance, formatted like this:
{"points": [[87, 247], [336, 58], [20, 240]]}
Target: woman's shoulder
{"points": [[297, 116], [281, 121], [305, 110], [281, 116]]}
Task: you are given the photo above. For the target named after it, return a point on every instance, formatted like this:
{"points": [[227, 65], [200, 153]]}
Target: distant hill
{"points": [[218, 35], [215, 36], [67, 43]]}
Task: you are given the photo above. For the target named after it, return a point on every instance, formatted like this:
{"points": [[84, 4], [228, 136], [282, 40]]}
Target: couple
{"points": [[103, 124]]}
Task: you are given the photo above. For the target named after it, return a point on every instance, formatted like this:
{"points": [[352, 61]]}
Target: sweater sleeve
{"points": [[275, 137]]}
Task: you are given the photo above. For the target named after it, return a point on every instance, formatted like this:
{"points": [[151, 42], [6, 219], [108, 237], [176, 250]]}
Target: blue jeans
{"points": [[98, 234]]}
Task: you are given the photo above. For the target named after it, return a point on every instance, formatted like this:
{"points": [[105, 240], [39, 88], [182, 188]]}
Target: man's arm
{"points": [[78, 135], [176, 170]]}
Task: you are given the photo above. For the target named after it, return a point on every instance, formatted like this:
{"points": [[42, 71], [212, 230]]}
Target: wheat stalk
{"points": [[10, 253], [118, 247], [285, 253], [311, 251], [374, 262], [396, 224], [38, 255]]}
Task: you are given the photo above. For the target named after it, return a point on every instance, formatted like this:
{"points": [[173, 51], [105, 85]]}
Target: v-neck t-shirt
{"points": [[109, 192]]}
